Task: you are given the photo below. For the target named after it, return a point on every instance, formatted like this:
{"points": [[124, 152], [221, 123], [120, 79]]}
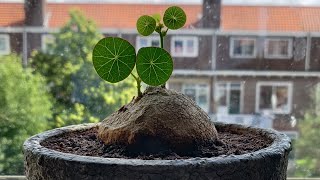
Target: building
{"points": [[253, 65]]}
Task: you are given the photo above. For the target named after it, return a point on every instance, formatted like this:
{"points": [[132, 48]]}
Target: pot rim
{"points": [[281, 143]]}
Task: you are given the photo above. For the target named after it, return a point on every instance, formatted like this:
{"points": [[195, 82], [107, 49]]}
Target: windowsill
{"points": [[278, 57], [184, 56], [242, 57]]}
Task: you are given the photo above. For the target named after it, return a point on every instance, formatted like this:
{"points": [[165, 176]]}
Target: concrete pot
{"points": [[269, 163]]}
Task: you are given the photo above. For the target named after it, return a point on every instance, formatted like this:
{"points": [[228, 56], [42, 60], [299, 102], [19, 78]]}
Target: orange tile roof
{"points": [[11, 14], [115, 15], [250, 18], [271, 18]]}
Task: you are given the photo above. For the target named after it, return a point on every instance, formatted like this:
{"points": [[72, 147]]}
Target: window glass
{"points": [[46, 41], [143, 42], [4, 44], [155, 43], [190, 92], [274, 98], [199, 93], [190, 46], [278, 48], [178, 47], [228, 96], [147, 41], [184, 46], [243, 47]]}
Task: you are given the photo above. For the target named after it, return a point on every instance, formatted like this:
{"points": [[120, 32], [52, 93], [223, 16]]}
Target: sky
{"points": [[237, 2]]}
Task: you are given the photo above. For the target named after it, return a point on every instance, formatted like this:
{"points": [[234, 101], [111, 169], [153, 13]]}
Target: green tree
{"points": [[81, 95], [308, 144], [24, 110]]}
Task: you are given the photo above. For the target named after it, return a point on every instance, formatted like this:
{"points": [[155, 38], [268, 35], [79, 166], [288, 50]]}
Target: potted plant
{"points": [[160, 134]]}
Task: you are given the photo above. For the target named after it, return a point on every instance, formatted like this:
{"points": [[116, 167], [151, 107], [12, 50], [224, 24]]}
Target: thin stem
{"points": [[161, 45], [161, 39], [138, 84]]}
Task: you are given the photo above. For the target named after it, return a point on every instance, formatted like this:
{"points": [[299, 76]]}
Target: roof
{"points": [[105, 15], [11, 14], [271, 18], [233, 17], [115, 15]]}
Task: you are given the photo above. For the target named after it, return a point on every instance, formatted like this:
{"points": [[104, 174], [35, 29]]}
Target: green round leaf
{"points": [[154, 65], [174, 17], [146, 25], [113, 59]]}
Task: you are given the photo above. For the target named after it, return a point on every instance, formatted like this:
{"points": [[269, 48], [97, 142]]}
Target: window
{"points": [[278, 48], [46, 41], [184, 46], [4, 44], [275, 97], [199, 93], [147, 41], [243, 47], [228, 97]]}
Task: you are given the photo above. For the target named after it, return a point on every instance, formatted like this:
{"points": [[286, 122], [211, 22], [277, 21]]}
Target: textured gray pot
{"points": [[268, 163]]}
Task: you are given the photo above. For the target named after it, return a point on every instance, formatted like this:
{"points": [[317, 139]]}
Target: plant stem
{"points": [[161, 39], [138, 84], [161, 45]]}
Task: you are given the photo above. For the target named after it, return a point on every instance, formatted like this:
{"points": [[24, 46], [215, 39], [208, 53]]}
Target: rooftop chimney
{"points": [[211, 10], [34, 12]]}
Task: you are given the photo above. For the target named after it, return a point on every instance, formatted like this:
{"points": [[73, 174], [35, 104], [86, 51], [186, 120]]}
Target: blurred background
{"points": [[242, 61]]}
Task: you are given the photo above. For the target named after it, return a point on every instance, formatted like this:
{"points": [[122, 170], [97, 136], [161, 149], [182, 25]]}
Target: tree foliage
{"points": [[308, 143], [81, 95], [24, 110]]}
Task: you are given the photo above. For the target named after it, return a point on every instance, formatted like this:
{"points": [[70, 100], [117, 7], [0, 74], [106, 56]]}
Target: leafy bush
{"points": [[24, 110]]}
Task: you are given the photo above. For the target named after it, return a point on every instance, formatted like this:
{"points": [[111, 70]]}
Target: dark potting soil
{"points": [[86, 143]]}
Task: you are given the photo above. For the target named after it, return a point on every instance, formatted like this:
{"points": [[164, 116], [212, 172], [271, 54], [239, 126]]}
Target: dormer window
{"points": [[153, 41], [278, 48], [184, 46], [242, 47]]}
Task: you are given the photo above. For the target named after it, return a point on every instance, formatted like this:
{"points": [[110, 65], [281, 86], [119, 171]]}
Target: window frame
{"points": [[149, 41], [290, 48], [197, 87], [184, 40], [231, 51], [7, 49], [228, 88], [44, 45], [274, 83]]}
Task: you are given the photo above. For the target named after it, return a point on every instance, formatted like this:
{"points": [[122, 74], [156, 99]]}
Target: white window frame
{"points": [[44, 45], [232, 55], [7, 49], [228, 88], [278, 56], [274, 83], [197, 87], [184, 40], [149, 40]]}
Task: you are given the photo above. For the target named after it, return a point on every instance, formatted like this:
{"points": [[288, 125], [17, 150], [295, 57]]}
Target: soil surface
{"points": [[86, 143]]}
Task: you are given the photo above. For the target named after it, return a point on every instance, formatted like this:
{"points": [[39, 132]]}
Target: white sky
{"points": [[237, 2]]}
